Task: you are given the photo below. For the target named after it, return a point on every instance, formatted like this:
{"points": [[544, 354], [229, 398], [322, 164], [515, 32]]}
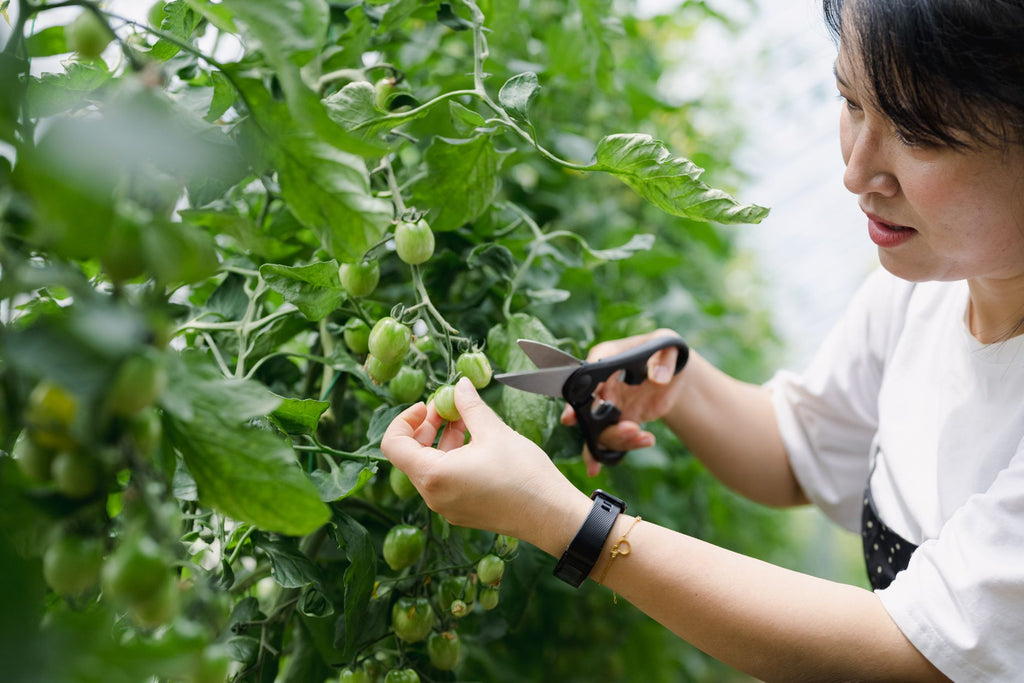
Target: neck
{"points": [[996, 310]]}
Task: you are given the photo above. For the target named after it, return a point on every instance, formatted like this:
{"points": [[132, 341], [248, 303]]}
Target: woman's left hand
{"points": [[498, 480]]}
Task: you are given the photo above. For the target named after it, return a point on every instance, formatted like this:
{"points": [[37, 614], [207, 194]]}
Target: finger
{"points": [[426, 433], [626, 436], [661, 366], [399, 443], [453, 436], [477, 415], [593, 466], [568, 417]]}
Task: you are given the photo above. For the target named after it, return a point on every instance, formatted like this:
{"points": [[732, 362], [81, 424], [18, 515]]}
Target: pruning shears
{"points": [[562, 375]]}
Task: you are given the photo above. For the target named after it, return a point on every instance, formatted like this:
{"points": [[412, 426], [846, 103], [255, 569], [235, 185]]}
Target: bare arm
{"points": [[767, 621]]}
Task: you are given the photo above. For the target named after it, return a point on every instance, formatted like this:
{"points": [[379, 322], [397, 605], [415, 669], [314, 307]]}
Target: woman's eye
{"points": [[849, 104]]}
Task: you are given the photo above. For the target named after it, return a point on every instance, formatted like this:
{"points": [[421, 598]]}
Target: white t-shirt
{"points": [[902, 392]]}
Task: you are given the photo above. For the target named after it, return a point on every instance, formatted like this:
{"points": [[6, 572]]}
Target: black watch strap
{"points": [[579, 558]]}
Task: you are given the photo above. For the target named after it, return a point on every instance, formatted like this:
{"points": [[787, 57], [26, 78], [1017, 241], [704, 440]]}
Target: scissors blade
{"points": [[547, 381], [547, 356]]}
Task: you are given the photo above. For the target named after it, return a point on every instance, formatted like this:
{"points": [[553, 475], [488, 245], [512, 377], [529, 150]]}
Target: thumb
{"points": [[475, 413]]}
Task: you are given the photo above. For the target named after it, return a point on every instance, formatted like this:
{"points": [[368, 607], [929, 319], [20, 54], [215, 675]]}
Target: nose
{"points": [[867, 154]]}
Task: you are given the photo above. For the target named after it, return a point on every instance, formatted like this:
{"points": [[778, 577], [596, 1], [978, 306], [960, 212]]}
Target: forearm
{"points": [[769, 622], [730, 426]]}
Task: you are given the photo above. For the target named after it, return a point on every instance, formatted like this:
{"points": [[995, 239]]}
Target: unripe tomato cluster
{"points": [[76, 451]]}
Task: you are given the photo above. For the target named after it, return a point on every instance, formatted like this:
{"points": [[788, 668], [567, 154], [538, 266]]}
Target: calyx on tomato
{"points": [[389, 340], [403, 546], [505, 545], [359, 279], [412, 619], [444, 402], [444, 650], [414, 242], [475, 366]]}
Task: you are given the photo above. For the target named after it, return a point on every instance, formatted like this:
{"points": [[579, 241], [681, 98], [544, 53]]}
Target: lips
{"points": [[886, 234]]}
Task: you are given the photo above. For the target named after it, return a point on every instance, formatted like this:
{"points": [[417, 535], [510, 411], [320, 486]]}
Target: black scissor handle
{"points": [[579, 390]]}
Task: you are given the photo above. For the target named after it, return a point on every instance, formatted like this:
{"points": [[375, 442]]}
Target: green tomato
{"points": [[401, 484], [490, 569], [381, 371], [75, 474], [136, 570], [402, 676], [403, 546], [88, 35], [488, 597], [425, 343], [33, 459], [159, 607], [475, 366], [212, 665], [72, 565], [456, 588], [359, 675], [389, 340], [460, 608], [444, 402], [146, 429], [50, 413], [414, 242], [444, 650], [140, 381], [359, 279], [412, 619], [357, 336], [408, 385]]}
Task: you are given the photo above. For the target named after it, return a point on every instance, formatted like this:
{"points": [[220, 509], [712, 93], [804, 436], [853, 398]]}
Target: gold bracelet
{"points": [[621, 547]]}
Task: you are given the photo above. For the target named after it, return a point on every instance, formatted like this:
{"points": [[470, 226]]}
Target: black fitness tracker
{"points": [[579, 558]]}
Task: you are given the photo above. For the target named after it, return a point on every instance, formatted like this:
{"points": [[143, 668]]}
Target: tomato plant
{"points": [[208, 214]]}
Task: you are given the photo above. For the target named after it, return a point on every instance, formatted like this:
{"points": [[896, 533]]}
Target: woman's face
{"points": [[935, 213]]}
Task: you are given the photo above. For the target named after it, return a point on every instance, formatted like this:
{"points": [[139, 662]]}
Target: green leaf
{"points": [[218, 15], [670, 183], [342, 479], [288, 566], [53, 93], [329, 192], [298, 415], [354, 108], [359, 579], [245, 472], [224, 97], [461, 180], [180, 21], [314, 289], [517, 94], [49, 41], [284, 29], [532, 415]]}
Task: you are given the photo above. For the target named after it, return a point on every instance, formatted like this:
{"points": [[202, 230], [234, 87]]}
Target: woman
{"points": [[907, 426]]}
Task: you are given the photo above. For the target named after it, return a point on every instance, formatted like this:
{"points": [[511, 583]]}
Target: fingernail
{"points": [[464, 385]]}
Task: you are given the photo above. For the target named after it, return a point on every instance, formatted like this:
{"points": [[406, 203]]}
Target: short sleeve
{"points": [[828, 415], [960, 599]]}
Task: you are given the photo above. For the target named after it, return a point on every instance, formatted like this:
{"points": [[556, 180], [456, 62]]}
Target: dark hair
{"points": [[941, 70]]}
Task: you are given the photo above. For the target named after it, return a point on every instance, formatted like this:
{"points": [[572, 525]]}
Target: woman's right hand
{"points": [[650, 400]]}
